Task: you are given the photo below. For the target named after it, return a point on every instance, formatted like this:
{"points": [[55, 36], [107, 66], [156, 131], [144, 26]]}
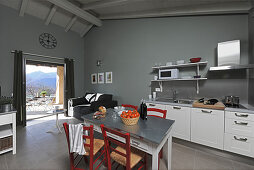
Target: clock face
{"points": [[47, 40]]}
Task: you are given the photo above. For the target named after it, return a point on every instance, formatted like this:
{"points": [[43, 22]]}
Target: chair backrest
{"points": [[108, 141], [130, 106], [90, 145], [163, 112]]}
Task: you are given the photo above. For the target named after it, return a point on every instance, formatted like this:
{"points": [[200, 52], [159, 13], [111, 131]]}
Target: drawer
{"points": [[139, 144], [239, 116], [239, 144], [6, 119], [240, 127]]}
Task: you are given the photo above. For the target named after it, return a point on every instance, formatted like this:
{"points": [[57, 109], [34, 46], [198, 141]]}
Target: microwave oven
{"points": [[169, 74]]}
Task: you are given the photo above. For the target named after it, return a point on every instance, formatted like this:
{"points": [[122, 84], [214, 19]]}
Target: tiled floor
{"points": [[37, 149]]}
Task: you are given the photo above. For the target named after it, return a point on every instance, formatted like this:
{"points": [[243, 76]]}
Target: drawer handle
{"points": [[205, 111], [241, 115], [241, 123], [175, 107], [151, 104], [135, 143], [241, 139]]}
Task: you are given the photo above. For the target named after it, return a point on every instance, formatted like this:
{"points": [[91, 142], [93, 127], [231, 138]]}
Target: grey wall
{"points": [[22, 33], [130, 48], [251, 57]]}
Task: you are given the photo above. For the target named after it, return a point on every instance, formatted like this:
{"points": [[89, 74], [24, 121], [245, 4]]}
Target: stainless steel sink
{"points": [[180, 101]]}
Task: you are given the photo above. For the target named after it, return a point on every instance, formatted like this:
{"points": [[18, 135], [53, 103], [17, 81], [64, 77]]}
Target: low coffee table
{"points": [[56, 112]]}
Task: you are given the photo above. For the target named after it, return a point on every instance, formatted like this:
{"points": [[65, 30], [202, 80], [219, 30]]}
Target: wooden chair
{"points": [[123, 154], [92, 147], [164, 113], [130, 106]]}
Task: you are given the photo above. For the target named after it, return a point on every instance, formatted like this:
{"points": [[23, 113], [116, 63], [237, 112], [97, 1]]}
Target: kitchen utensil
{"points": [[201, 100], [150, 97], [154, 95], [180, 62], [211, 102], [195, 60], [155, 77], [232, 100], [169, 63], [197, 76]]}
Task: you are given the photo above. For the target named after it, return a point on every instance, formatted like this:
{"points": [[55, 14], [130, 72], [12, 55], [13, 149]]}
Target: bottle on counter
{"points": [[143, 110]]}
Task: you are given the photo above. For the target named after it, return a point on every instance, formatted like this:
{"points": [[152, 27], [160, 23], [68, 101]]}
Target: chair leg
{"points": [[145, 162]]}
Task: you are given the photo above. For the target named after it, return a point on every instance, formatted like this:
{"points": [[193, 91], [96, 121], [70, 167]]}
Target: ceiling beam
{"points": [[71, 23], [68, 6], [51, 14], [103, 4], [23, 8], [83, 33], [221, 8]]}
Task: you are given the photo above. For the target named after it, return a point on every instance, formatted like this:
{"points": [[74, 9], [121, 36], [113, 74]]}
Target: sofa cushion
{"points": [[79, 101], [105, 97], [79, 111], [90, 97]]}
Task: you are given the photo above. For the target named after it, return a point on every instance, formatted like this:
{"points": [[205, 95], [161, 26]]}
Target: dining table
{"points": [[148, 135]]}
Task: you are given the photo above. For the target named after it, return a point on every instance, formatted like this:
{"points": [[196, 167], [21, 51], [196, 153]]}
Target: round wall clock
{"points": [[47, 40]]}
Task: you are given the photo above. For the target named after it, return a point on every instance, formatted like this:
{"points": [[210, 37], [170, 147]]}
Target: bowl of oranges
{"points": [[130, 117]]}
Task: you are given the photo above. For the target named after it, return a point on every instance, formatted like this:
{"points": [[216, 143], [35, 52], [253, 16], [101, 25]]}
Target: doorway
{"points": [[44, 88]]}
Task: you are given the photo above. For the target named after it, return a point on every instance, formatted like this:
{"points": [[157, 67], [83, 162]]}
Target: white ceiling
{"points": [[66, 11]]}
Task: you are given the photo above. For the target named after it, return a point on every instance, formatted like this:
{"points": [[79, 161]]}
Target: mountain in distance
{"points": [[40, 78]]}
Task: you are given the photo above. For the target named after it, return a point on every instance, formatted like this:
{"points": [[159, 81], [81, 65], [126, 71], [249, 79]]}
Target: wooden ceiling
{"points": [[81, 15]]}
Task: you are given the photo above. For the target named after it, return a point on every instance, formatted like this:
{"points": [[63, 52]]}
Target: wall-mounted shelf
{"points": [[182, 79], [181, 65], [191, 79]]}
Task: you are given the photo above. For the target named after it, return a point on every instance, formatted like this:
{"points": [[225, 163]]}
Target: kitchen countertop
{"points": [[170, 103], [3, 111], [249, 108]]}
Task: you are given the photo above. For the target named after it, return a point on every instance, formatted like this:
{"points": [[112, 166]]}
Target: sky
{"points": [[33, 68]]}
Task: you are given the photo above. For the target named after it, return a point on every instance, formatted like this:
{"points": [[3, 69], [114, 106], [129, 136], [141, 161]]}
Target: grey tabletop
{"points": [[152, 130]]}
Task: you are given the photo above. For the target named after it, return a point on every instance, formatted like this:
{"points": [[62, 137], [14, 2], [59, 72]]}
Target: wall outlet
{"points": [[157, 89]]}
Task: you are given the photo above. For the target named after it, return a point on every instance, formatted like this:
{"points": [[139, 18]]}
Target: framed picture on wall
{"points": [[109, 77], [94, 78], [100, 78]]}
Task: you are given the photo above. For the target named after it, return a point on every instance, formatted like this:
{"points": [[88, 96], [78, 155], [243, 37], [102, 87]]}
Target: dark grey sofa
{"points": [[89, 104]]}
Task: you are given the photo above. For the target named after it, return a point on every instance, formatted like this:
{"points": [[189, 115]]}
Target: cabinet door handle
{"points": [[241, 123], [241, 139], [175, 107], [241, 115], [205, 111], [151, 104]]}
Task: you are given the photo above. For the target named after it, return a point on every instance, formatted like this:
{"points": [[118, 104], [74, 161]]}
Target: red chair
{"points": [[123, 154], [164, 113], [130, 106], [92, 147]]}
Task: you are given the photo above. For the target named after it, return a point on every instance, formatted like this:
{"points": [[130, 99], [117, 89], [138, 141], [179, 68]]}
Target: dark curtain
{"points": [[19, 93], [69, 81]]}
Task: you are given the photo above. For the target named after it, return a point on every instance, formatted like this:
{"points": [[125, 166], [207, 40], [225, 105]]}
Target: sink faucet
{"points": [[174, 95]]}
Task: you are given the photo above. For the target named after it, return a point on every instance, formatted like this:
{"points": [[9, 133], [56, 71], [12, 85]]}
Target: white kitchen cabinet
{"points": [[239, 144], [181, 115], [207, 127], [239, 133], [156, 106]]}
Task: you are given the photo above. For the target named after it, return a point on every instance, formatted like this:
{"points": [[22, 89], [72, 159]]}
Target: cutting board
{"points": [[218, 105]]}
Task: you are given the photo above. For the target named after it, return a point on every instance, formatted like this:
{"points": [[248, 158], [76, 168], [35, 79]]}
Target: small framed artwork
{"points": [[94, 78], [108, 77], [100, 78]]}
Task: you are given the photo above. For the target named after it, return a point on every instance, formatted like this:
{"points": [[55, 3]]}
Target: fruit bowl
{"points": [[195, 60], [130, 118]]}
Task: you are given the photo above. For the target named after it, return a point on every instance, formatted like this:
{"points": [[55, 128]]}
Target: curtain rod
{"points": [[39, 55]]}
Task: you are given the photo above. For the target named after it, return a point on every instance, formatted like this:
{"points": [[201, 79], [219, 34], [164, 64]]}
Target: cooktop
{"points": [[235, 106]]}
